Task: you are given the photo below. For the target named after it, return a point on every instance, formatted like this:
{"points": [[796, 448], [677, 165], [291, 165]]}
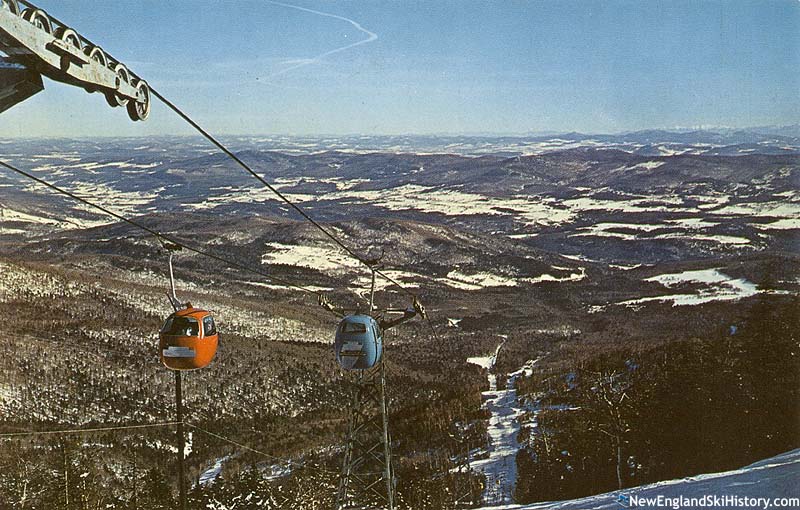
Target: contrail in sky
{"points": [[371, 36]]}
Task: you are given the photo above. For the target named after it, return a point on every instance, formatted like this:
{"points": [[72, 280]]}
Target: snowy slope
{"points": [[776, 477], [500, 466]]}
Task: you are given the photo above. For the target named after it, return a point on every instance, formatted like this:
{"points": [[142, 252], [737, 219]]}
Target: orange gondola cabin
{"points": [[188, 340]]}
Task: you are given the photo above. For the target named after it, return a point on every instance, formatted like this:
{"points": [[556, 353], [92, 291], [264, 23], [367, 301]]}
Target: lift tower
{"points": [[367, 480]]}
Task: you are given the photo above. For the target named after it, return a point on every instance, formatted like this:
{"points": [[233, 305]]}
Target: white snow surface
{"points": [[782, 224], [476, 281], [323, 258], [775, 477], [8, 214], [486, 362], [763, 209], [573, 277], [717, 287]]}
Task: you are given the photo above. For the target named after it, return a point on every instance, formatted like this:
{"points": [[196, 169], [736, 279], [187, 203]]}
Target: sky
{"points": [[432, 67]]}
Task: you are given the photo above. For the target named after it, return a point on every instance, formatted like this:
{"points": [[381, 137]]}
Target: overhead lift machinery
{"points": [[36, 44]]}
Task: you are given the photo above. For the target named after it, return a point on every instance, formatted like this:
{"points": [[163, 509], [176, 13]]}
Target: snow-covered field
{"points": [[770, 479], [25, 220], [244, 196], [323, 258], [450, 202], [475, 281], [331, 260], [716, 286], [573, 277], [676, 229], [782, 224]]}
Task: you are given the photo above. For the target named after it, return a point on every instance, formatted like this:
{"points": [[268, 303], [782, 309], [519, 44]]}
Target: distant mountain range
{"points": [[730, 142], [652, 142]]}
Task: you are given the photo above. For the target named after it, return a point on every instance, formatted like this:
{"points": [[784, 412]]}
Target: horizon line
{"points": [[673, 129]]}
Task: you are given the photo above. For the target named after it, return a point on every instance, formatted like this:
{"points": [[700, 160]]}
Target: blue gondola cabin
{"points": [[359, 342]]}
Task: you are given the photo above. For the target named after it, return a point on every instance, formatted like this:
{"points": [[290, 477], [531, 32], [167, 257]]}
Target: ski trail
{"points": [[371, 36], [500, 468]]}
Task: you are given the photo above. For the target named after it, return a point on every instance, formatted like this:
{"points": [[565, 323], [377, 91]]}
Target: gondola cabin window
{"points": [[353, 327], [184, 326], [209, 328]]}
